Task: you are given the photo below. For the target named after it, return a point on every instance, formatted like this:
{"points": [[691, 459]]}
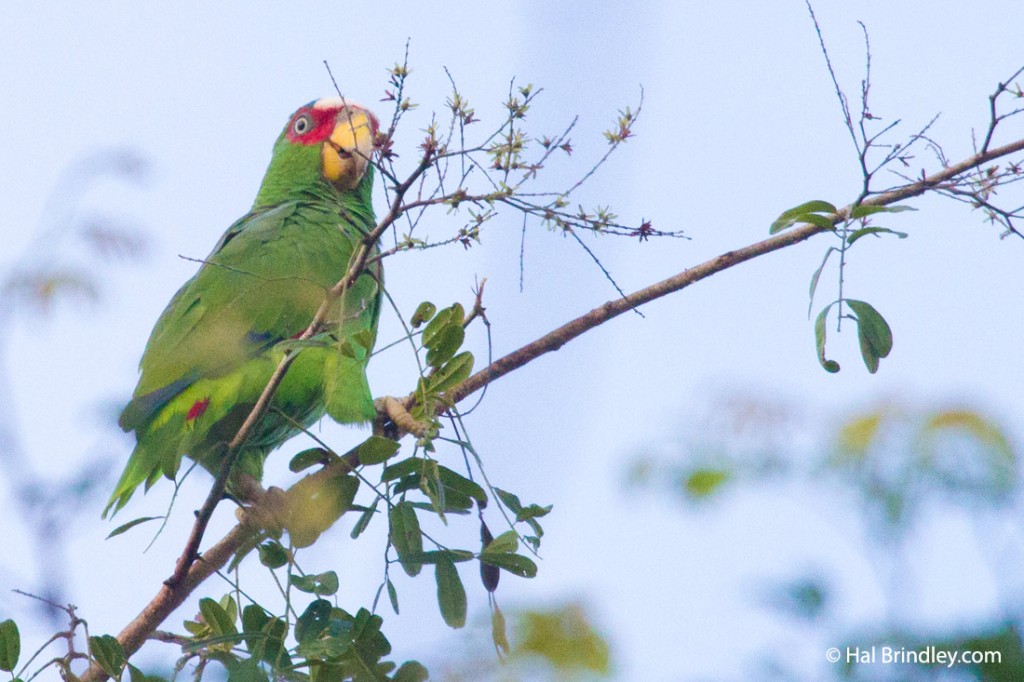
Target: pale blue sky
{"points": [[739, 123]]}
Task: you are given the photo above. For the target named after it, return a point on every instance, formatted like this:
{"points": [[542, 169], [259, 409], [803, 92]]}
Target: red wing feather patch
{"points": [[197, 409]]}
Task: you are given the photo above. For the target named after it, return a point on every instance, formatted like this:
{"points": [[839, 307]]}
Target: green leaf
{"points": [[392, 596], [106, 651], [815, 277], [814, 206], [322, 585], [424, 312], [873, 332], [460, 484], [273, 554], [403, 468], [863, 211], [803, 214], [430, 485], [376, 449], [197, 629], [264, 636], [364, 520], [230, 606], [411, 671], [324, 649], [819, 339], [534, 511], [365, 632], [453, 373], [451, 595], [124, 527], [857, 234], [446, 344], [433, 333], [517, 564], [410, 482], [245, 671], [254, 617], [303, 583], [307, 458], [455, 503], [439, 555], [136, 675], [823, 221], [10, 645], [405, 536], [510, 500], [313, 621], [217, 618], [505, 543], [326, 583], [274, 651]]}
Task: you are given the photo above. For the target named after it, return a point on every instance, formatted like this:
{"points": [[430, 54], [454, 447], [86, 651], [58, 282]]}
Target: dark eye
{"points": [[302, 125]]}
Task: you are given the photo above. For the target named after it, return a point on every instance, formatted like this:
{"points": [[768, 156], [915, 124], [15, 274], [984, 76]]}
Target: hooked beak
{"points": [[346, 153]]}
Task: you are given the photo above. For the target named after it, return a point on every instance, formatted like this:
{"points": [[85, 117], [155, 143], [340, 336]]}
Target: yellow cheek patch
{"points": [[331, 163], [345, 155]]}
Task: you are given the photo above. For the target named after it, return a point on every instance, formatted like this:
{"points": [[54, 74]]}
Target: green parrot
{"points": [[215, 346]]}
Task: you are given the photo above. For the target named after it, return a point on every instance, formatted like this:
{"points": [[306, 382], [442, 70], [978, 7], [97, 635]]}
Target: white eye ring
{"points": [[302, 125]]}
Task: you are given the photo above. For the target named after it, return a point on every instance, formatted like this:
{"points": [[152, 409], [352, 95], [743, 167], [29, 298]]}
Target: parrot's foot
{"points": [[399, 418], [268, 510], [244, 489]]}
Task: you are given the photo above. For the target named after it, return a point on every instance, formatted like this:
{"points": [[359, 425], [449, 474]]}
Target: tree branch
{"points": [[173, 594], [569, 331]]}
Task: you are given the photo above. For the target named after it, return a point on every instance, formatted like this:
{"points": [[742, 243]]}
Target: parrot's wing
{"points": [[238, 304], [215, 345]]}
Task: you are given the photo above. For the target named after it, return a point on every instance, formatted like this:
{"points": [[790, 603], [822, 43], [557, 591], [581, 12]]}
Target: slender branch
{"points": [[994, 117], [569, 331]]}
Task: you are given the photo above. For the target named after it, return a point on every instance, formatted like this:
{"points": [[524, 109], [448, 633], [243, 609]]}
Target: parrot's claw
{"points": [[395, 420], [269, 512]]}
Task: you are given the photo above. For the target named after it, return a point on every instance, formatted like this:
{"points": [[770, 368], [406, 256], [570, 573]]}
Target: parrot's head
{"points": [[326, 142]]}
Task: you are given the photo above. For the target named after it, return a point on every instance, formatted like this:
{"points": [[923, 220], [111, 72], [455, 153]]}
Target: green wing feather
{"points": [[220, 338]]}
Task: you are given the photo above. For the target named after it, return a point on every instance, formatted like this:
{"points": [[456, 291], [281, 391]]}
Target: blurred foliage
{"points": [[564, 638], [898, 460], [894, 458], [71, 249], [67, 257], [897, 465], [558, 642]]}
